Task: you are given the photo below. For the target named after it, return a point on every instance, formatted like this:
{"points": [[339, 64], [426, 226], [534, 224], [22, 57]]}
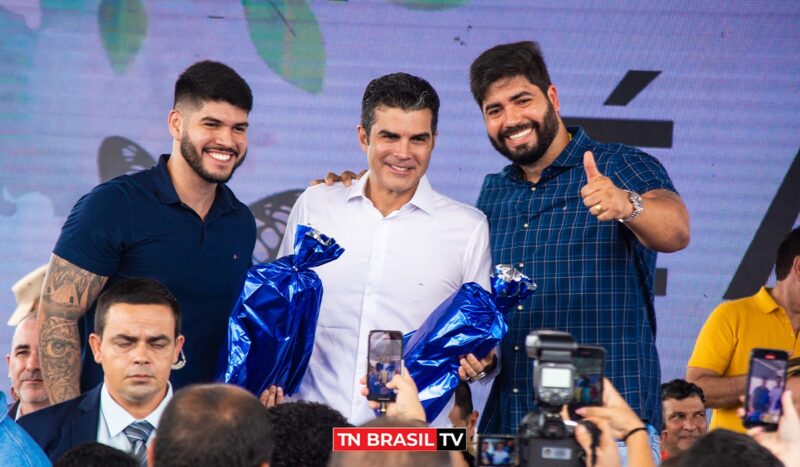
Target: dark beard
{"points": [[195, 161], [528, 155]]}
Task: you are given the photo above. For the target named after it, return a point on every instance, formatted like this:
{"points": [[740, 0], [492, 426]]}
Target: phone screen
{"points": [[496, 450], [588, 385], [385, 359], [765, 384]]}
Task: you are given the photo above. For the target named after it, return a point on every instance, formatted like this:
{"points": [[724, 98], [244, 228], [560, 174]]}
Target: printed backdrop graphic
{"points": [[710, 88]]}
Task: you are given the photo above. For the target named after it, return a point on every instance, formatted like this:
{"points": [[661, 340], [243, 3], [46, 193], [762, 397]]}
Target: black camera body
{"points": [[544, 439]]}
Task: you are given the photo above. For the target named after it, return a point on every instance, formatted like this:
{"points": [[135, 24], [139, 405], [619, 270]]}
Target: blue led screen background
{"points": [[710, 88]]}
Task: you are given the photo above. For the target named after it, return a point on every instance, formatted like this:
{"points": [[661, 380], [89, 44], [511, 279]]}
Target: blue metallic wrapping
{"points": [[272, 326], [469, 321]]}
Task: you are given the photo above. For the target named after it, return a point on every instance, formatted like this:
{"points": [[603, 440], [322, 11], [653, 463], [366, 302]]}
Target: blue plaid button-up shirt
{"points": [[595, 279]]}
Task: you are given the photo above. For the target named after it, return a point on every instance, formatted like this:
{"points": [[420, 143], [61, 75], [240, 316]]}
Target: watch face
{"points": [[636, 201]]}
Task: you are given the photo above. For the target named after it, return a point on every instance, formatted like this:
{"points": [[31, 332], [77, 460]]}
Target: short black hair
{"points": [[212, 81], [787, 252], [214, 425], [507, 61], [723, 448], [135, 291], [680, 389], [303, 433], [95, 455], [463, 399], [401, 91]]}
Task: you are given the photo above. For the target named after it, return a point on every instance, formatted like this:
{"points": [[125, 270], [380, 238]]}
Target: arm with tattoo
{"points": [[67, 294]]}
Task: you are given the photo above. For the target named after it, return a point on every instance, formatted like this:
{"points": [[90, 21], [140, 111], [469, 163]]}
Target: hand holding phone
{"points": [[384, 360], [588, 386], [765, 381]]}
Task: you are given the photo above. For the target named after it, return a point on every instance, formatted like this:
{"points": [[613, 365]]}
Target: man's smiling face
{"points": [[521, 121], [398, 150], [214, 139]]}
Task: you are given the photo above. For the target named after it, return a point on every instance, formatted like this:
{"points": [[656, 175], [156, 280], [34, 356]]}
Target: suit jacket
{"points": [[61, 427]]}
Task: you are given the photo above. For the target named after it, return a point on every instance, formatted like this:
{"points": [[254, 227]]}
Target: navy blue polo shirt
{"points": [[136, 226]]}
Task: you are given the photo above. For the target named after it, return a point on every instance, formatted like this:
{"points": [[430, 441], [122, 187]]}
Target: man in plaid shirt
{"points": [[584, 220]]}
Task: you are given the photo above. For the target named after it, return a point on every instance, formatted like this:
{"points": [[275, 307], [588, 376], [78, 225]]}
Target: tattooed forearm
{"points": [[60, 358], [69, 290], [67, 293]]}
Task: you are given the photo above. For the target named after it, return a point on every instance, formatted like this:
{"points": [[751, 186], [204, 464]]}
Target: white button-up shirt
{"points": [[114, 419], [394, 272]]}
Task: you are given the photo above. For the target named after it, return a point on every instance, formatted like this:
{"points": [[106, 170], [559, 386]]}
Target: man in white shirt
{"points": [[407, 247], [137, 340]]}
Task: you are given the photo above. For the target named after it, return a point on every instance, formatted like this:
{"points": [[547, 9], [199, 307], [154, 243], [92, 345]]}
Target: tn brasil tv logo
{"points": [[400, 439]]}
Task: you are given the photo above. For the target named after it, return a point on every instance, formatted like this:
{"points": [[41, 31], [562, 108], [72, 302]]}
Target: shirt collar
{"points": [[571, 156], [764, 301], [423, 198], [162, 183], [117, 418]]}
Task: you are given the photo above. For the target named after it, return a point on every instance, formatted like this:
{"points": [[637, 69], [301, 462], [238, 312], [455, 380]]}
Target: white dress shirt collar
{"points": [[117, 418], [424, 196]]}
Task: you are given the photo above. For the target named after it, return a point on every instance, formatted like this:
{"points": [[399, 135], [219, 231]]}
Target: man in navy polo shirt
{"points": [[176, 222]]}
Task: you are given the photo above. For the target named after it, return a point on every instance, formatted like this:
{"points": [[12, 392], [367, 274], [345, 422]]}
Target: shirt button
{"points": [[522, 265], [516, 347], [515, 390], [533, 188], [525, 225], [519, 307]]}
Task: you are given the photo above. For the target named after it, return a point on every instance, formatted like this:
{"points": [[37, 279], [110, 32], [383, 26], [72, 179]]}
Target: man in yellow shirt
{"points": [[769, 319]]}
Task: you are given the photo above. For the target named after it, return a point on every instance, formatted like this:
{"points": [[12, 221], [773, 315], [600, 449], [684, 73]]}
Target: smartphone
{"points": [[384, 360], [588, 385], [496, 450], [765, 381]]}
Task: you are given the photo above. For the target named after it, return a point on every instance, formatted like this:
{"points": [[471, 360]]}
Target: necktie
{"points": [[138, 433]]}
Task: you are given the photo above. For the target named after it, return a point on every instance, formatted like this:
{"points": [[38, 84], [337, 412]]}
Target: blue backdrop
{"points": [[710, 88]]}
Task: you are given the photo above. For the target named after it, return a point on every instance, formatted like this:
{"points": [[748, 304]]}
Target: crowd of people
{"points": [[117, 338]]}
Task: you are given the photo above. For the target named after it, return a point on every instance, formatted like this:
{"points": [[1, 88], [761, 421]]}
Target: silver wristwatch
{"points": [[638, 208]]}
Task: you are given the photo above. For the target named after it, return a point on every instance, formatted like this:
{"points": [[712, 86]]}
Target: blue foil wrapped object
{"points": [[471, 320], [272, 326]]}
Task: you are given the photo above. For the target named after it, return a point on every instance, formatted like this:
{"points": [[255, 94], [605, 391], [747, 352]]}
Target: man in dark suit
{"points": [[137, 340]]}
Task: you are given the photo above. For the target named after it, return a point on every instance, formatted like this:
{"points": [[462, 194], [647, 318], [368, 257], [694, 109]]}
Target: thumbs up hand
{"points": [[605, 200]]}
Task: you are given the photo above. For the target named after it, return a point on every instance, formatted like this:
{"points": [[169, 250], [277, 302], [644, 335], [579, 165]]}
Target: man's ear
{"points": [[473, 417], [178, 346], [94, 342], [363, 138], [175, 124], [552, 95]]}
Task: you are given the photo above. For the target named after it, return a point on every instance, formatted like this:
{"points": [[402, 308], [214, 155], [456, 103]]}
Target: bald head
{"points": [[23, 366], [213, 425]]}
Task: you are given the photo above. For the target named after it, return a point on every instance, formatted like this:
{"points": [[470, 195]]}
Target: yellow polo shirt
{"points": [[732, 330]]}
